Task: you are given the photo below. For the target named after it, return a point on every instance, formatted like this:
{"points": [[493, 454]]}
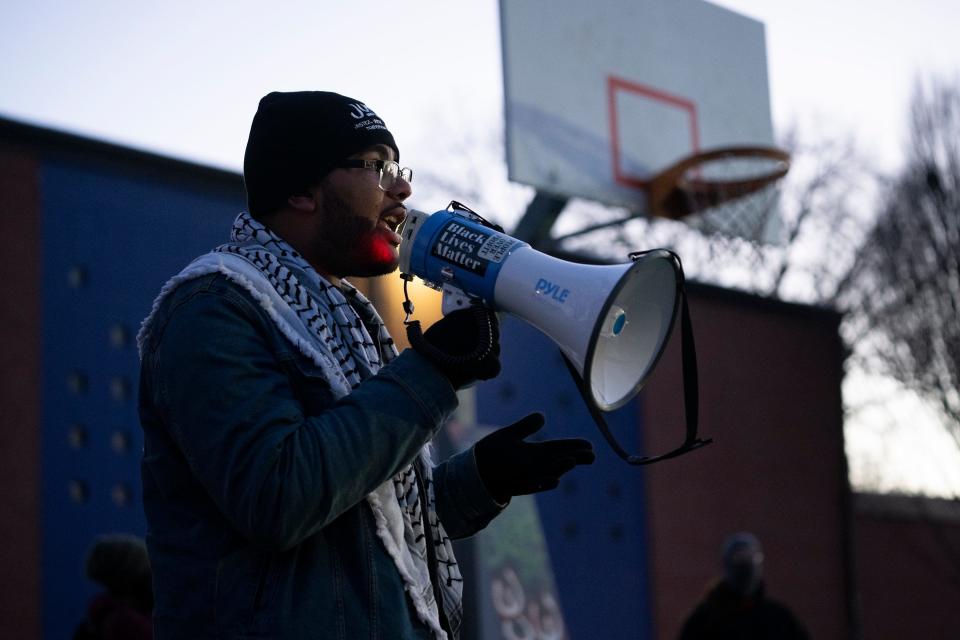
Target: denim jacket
{"points": [[254, 477]]}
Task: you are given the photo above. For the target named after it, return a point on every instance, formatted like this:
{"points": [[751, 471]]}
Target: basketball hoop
{"points": [[711, 178], [730, 190]]}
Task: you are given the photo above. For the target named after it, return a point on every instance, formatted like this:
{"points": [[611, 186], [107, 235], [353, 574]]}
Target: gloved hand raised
{"points": [[464, 345], [509, 466]]}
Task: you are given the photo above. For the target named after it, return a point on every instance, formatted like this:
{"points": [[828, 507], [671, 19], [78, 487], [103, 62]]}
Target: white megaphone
{"points": [[611, 321]]}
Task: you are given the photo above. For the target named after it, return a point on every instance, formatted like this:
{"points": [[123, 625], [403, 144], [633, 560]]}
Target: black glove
{"points": [[509, 466], [464, 345]]}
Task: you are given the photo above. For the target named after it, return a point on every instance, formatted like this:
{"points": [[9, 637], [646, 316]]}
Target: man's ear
{"points": [[304, 202]]}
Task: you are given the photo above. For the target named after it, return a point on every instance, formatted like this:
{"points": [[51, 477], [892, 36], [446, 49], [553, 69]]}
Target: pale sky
{"points": [[851, 65], [183, 78]]}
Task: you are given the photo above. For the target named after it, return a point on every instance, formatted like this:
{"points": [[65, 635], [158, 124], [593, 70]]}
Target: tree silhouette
{"points": [[902, 295]]}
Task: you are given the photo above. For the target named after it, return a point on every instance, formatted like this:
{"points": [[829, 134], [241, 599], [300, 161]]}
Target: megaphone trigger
{"points": [[454, 299]]}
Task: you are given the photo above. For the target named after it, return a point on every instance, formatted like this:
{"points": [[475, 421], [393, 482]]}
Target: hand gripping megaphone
{"points": [[611, 322]]}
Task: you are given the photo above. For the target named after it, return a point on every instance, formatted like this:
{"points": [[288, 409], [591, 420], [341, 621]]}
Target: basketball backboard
{"points": [[602, 96]]}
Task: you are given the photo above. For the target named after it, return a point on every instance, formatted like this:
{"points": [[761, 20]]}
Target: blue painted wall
{"points": [[112, 233], [595, 521]]}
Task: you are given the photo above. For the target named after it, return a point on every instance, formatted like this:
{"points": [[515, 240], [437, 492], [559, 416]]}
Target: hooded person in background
{"points": [[119, 564], [738, 608], [287, 482]]}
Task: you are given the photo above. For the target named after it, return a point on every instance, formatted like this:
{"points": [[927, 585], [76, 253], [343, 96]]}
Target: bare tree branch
{"points": [[905, 283]]}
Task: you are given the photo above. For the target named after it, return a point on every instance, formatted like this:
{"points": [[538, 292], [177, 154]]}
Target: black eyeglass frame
{"points": [[379, 165]]}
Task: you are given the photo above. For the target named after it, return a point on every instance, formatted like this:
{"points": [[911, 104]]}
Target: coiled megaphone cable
{"points": [[485, 334]]}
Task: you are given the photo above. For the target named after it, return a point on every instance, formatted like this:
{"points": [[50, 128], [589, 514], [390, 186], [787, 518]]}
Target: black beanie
{"points": [[297, 138]]}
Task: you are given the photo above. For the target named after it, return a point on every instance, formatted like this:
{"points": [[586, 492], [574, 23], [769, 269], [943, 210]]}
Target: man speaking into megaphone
{"points": [[287, 483]]}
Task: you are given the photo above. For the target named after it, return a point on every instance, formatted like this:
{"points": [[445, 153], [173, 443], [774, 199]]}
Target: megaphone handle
{"points": [[484, 341]]}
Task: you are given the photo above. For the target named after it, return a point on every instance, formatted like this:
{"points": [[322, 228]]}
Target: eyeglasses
{"points": [[389, 170]]}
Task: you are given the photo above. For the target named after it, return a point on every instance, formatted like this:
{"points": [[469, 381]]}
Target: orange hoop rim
{"points": [[668, 189]]}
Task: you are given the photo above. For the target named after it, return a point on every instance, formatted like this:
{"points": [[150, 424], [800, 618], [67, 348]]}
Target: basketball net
{"points": [[732, 191]]}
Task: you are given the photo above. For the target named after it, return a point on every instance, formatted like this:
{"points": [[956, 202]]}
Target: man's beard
{"points": [[349, 244]]}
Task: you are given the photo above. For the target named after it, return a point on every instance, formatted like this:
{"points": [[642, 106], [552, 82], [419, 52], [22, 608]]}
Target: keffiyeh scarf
{"points": [[332, 326]]}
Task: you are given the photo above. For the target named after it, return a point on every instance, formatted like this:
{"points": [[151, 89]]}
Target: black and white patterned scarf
{"points": [[332, 326]]}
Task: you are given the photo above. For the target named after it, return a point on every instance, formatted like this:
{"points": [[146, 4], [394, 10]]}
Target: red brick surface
{"points": [[20, 392], [908, 567], [770, 397]]}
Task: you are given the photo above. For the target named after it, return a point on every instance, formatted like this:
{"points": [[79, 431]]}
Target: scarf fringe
{"points": [[427, 614]]}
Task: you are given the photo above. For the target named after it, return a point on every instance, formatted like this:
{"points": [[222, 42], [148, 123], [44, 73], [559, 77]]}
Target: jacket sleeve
{"points": [[276, 474], [464, 505]]}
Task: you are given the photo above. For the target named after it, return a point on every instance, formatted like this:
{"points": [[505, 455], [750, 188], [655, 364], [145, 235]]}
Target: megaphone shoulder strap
{"points": [[691, 397]]}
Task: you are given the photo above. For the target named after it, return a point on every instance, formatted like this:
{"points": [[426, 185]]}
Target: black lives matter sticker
{"points": [[470, 248]]}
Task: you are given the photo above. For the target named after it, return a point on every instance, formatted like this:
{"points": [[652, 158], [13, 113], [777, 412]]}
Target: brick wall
{"points": [[770, 397]]}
